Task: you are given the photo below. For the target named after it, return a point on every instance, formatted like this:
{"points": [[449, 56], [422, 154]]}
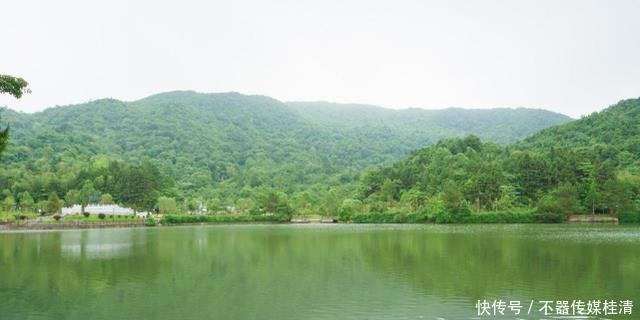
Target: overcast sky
{"points": [[572, 57]]}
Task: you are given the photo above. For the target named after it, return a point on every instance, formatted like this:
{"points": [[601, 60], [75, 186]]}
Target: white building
{"points": [[108, 209], [143, 214]]}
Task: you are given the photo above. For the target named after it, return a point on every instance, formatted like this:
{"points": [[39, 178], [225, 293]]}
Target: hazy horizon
{"points": [[571, 57]]}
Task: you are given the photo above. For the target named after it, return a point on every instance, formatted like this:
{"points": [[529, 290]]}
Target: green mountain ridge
{"points": [[228, 145], [503, 125]]}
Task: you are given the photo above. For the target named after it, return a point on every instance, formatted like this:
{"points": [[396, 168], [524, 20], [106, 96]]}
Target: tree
{"points": [[139, 186], [330, 203], [26, 202], [167, 205], [532, 174], [192, 204], [9, 203], [244, 205], [451, 197], [589, 186], [72, 197], [484, 185], [214, 205], [85, 194], [15, 87], [106, 199], [388, 190], [304, 202], [562, 200], [617, 196], [508, 197], [473, 142], [413, 198], [621, 192], [349, 208], [455, 205], [53, 204], [275, 202], [592, 196]]}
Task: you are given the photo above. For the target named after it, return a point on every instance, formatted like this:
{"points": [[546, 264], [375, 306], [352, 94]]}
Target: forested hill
{"points": [[502, 125], [591, 165], [228, 146], [617, 126]]}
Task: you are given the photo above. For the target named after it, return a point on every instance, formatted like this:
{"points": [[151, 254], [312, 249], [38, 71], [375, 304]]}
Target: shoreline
{"points": [[70, 226], [116, 225]]}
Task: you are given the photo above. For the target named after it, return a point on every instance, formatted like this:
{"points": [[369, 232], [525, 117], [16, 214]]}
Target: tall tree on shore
{"points": [[85, 194], [139, 186], [26, 202], [53, 204], [15, 87], [167, 205]]}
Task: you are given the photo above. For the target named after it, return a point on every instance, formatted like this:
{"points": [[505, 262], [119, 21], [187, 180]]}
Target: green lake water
{"points": [[314, 271]]}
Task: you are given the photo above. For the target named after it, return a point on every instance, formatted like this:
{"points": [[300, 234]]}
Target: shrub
{"points": [[562, 200], [374, 217], [344, 215], [444, 216], [629, 217], [390, 217], [510, 216], [418, 217], [401, 217], [57, 217], [85, 214], [413, 217], [349, 208], [550, 217], [101, 216], [150, 221]]}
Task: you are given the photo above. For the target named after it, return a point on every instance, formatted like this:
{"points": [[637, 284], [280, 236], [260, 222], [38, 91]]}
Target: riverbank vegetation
{"points": [[445, 217], [222, 218], [76, 218]]}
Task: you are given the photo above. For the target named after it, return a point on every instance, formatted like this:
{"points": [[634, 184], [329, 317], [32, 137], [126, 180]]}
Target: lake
{"points": [[314, 271]]}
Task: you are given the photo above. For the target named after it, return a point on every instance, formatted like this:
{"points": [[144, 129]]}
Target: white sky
{"points": [[572, 57]]}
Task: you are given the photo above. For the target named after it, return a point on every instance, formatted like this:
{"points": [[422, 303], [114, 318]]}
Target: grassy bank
{"points": [[93, 218], [228, 218], [13, 216], [74, 225], [515, 216]]}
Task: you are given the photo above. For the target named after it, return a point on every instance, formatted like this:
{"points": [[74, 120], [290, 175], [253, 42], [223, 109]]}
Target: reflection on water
{"points": [[91, 244], [310, 271]]}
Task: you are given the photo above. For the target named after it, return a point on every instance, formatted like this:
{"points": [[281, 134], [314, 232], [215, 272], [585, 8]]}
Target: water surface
{"points": [[312, 271]]}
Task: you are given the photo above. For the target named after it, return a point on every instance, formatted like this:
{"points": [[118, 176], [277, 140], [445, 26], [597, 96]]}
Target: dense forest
{"points": [[591, 165], [179, 151], [420, 127]]}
